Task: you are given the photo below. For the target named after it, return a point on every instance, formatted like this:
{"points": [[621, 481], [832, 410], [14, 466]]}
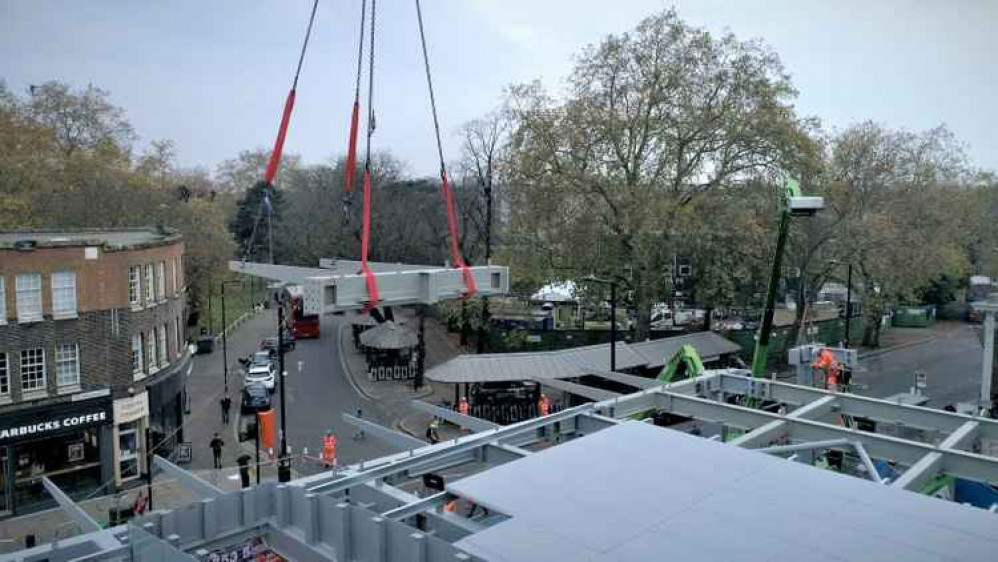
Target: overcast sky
{"points": [[212, 75]]}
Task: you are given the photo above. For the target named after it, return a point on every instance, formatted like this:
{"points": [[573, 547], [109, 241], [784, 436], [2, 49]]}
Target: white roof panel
{"points": [[640, 492]]}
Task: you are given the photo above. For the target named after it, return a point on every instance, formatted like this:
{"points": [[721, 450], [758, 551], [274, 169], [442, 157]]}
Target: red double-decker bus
{"points": [[302, 325]]}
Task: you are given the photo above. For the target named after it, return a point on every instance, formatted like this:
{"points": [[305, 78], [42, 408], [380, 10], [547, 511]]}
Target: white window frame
{"points": [[40, 388], [4, 374], [161, 281], [29, 298], [67, 355], [151, 359], [150, 285], [161, 351], [138, 357], [174, 266], [135, 286], [64, 303], [3, 301], [176, 337]]}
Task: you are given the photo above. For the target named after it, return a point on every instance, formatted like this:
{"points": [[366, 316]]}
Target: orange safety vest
{"points": [[463, 406], [329, 448], [544, 406]]}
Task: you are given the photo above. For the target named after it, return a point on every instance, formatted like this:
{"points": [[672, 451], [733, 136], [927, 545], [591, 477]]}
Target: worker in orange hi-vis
{"points": [[462, 406], [451, 505], [329, 449], [827, 363], [543, 405]]}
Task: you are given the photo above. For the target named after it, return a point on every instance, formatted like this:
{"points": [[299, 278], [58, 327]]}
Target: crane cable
{"points": [[355, 114], [372, 283], [275, 156], [456, 257]]}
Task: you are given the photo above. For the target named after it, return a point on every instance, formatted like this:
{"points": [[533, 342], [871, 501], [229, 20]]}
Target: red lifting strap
{"points": [[275, 156], [352, 147], [455, 252], [372, 283]]}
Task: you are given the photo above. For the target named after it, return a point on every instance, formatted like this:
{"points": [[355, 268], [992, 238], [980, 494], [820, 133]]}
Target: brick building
{"points": [[92, 353]]}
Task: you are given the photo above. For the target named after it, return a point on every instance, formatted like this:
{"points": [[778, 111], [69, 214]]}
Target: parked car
{"points": [[262, 375], [255, 399], [270, 345], [260, 358]]}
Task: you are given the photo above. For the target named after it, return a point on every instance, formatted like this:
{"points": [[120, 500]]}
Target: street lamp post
{"points": [[613, 317], [848, 304], [225, 351], [283, 463]]}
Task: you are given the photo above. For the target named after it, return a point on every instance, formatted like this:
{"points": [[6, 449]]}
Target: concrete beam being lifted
{"points": [[345, 288]]}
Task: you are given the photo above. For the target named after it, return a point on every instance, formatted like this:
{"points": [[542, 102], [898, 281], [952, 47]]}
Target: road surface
{"points": [[952, 364]]}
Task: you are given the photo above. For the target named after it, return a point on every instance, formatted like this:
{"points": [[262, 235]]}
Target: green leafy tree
{"points": [[653, 119]]}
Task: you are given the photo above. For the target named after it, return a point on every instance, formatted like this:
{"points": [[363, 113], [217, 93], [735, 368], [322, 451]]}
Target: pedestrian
{"points": [[216, 450], [431, 432], [360, 430], [226, 404], [244, 474]]}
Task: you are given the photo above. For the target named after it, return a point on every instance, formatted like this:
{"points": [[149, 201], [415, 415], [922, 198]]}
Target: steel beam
{"points": [[963, 437], [871, 469], [187, 479], [807, 446], [920, 473], [957, 463], [329, 291], [402, 462], [457, 418], [640, 383], [766, 433], [860, 406], [418, 506], [389, 436], [83, 520], [397, 494], [592, 393]]}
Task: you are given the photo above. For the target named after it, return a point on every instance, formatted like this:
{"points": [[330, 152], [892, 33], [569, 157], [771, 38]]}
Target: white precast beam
{"points": [[457, 418], [334, 290], [384, 434], [82, 519], [876, 409], [187, 479], [924, 469], [590, 392], [957, 463], [333, 293], [871, 469]]}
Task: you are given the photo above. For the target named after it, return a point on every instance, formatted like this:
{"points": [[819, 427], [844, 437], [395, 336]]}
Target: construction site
{"points": [[654, 315]]}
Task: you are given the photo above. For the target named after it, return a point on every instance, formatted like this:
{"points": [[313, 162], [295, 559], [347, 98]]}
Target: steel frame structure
{"points": [[340, 286], [365, 512]]}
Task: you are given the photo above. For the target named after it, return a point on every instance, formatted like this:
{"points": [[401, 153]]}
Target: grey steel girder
{"points": [[82, 519], [928, 467], [777, 429], [186, 478], [957, 463], [389, 436], [858, 406], [329, 291], [472, 423], [429, 455]]}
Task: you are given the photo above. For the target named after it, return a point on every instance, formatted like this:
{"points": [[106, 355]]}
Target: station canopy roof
{"points": [[574, 362], [389, 335]]}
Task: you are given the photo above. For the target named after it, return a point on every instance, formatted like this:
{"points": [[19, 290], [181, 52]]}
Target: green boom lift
{"points": [[685, 364], [794, 205]]}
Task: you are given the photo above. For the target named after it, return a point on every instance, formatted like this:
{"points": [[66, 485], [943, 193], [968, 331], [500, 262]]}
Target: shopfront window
{"points": [[71, 461], [128, 446]]}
